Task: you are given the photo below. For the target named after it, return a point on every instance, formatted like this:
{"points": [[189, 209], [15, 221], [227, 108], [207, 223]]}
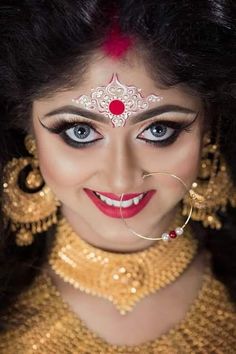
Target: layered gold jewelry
{"points": [[123, 279], [30, 205], [40, 322], [213, 190]]}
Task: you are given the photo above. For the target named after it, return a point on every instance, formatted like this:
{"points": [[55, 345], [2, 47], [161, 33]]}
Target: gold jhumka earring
{"points": [[213, 189], [28, 201]]}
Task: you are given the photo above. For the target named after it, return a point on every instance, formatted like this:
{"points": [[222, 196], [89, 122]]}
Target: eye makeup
{"points": [[62, 125], [175, 127]]}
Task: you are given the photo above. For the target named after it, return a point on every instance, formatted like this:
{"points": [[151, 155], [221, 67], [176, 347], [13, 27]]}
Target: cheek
{"points": [[181, 160], [186, 161], [60, 165]]}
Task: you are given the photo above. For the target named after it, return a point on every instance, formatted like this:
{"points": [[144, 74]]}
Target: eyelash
{"points": [[177, 127], [61, 127]]}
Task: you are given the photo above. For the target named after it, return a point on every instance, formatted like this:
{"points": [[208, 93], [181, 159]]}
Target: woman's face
{"points": [[86, 153]]}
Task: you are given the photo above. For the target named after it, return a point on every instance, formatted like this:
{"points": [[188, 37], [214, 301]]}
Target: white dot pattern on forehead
{"points": [[116, 101]]}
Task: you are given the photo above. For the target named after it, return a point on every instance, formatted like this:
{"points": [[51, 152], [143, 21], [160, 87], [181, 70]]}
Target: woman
{"points": [[118, 177]]}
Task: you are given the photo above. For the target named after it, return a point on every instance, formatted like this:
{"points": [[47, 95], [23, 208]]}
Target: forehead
{"points": [[131, 70]]}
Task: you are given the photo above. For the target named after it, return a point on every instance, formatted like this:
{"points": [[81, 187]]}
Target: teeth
{"points": [[126, 203], [136, 200], [117, 203], [109, 202]]}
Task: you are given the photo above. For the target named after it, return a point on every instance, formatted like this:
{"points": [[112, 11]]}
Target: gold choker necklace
{"points": [[40, 322], [124, 279]]}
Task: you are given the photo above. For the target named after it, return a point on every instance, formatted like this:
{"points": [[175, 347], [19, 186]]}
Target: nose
{"points": [[123, 170]]}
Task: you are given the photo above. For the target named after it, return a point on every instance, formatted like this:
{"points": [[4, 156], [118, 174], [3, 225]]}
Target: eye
{"points": [[81, 133], [160, 132], [78, 135]]}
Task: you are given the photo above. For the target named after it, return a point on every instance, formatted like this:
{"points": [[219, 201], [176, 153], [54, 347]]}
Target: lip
{"points": [[113, 211], [117, 197]]}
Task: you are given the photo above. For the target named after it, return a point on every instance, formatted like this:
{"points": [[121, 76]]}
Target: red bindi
{"points": [[116, 107]]}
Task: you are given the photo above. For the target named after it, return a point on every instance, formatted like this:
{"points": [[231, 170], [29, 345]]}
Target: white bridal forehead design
{"points": [[116, 101]]}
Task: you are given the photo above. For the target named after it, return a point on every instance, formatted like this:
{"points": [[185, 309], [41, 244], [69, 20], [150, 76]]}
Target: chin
{"points": [[123, 244], [120, 239]]}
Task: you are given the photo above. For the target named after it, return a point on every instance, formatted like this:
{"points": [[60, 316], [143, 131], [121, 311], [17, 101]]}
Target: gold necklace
{"points": [[40, 322], [123, 279]]}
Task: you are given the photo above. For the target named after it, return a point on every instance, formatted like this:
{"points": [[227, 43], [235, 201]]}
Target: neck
{"points": [[126, 242]]}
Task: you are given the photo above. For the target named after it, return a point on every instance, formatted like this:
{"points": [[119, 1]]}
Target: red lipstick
{"points": [[114, 211]]}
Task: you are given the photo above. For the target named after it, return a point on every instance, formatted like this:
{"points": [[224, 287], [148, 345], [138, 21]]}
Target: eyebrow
{"points": [[136, 119]]}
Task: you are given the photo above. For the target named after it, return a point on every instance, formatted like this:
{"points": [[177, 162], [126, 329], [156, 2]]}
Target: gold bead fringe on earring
{"points": [[31, 207], [213, 189]]}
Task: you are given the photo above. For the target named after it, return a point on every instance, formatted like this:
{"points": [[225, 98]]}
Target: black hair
{"points": [[45, 46]]}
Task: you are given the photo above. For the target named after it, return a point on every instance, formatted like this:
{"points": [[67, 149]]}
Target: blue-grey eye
{"points": [[157, 132], [82, 133]]}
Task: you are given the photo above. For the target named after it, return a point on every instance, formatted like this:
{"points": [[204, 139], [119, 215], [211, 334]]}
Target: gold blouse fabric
{"points": [[40, 322]]}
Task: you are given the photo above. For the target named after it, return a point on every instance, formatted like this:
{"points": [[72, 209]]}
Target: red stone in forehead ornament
{"points": [[116, 107]]}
